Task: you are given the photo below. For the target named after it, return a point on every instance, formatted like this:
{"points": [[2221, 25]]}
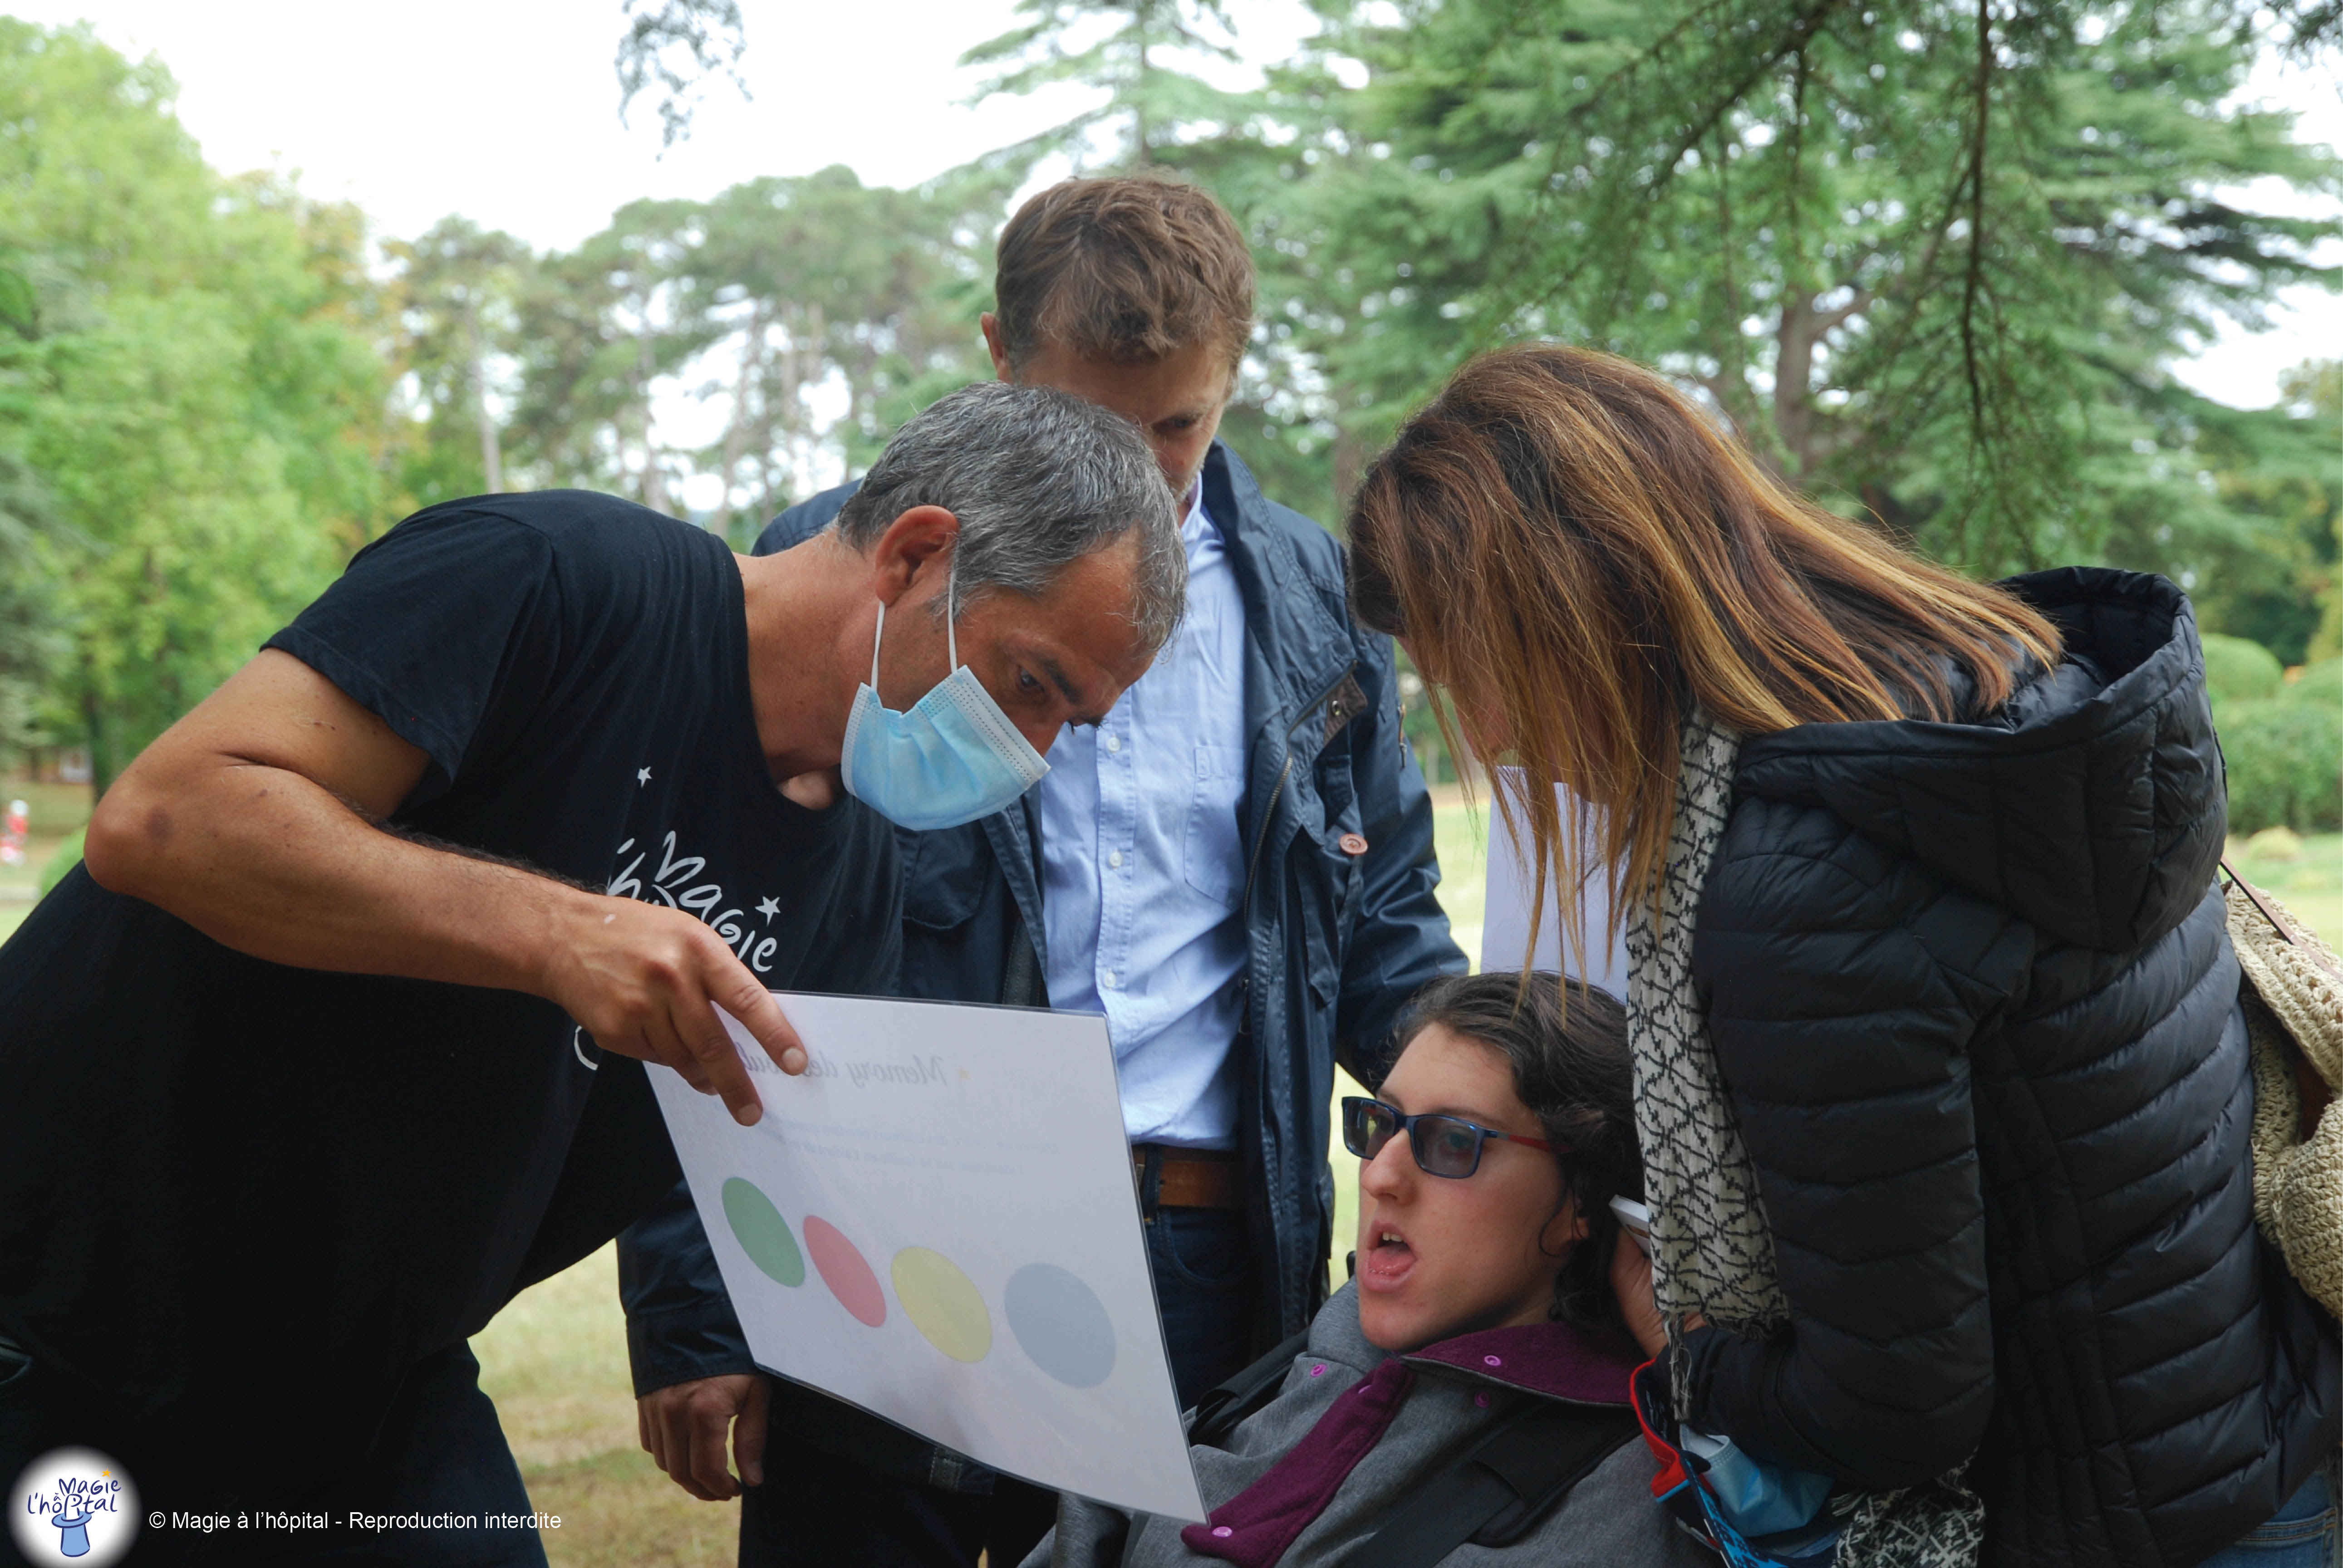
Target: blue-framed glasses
{"points": [[1443, 1145]]}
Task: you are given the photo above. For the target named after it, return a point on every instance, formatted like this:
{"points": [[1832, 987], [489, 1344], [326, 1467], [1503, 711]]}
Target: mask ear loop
{"points": [[951, 612], [951, 635]]}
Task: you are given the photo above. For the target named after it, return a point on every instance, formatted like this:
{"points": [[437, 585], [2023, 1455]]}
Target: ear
{"points": [[916, 546], [1568, 1227], [993, 345]]}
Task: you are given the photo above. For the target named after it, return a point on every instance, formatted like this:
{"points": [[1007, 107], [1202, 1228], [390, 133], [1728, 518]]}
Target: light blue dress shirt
{"points": [[1142, 866]]}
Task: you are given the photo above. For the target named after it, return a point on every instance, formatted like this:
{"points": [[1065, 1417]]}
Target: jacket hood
{"points": [[2092, 804]]}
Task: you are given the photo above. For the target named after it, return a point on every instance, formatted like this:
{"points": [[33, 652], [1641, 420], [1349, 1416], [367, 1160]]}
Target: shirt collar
{"points": [[1196, 524]]}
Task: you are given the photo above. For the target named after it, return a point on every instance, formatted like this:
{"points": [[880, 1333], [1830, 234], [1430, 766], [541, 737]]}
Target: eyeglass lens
{"points": [[1446, 1146], [1366, 1127]]}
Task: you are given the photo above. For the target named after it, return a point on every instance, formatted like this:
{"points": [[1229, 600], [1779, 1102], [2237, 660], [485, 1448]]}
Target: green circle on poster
{"points": [[763, 1234]]}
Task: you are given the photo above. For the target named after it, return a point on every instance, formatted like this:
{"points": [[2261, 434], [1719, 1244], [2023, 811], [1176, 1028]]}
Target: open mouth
{"points": [[1388, 1260]]}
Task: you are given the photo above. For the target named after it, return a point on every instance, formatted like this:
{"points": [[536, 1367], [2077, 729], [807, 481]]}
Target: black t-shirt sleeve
{"points": [[424, 627]]}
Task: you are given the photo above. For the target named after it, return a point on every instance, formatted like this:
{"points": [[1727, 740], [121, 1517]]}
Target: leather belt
{"points": [[1193, 1177]]}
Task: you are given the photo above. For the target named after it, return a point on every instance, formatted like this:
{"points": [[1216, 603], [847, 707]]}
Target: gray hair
{"points": [[1038, 478]]}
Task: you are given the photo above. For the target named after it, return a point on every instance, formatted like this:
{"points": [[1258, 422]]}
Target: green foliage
{"points": [[200, 393], [2236, 670], [779, 299], [2284, 753], [2241, 507], [790, 283], [1929, 260], [455, 302], [674, 46], [1932, 262], [33, 644], [1133, 48]]}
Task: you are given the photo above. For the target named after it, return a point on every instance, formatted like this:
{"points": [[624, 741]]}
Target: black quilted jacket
{"points": [[1974, 1004]]}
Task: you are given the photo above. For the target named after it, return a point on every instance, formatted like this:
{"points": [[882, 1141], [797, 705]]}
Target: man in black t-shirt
{"points": [[336, 1041]]}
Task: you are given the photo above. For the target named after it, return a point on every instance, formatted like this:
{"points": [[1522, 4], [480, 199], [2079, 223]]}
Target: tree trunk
{"points": [[103, 766], [1140, 155], [1809, 438], [492, 457], [736, 430], [1348, 462], [654, 481], [1794, 371]]}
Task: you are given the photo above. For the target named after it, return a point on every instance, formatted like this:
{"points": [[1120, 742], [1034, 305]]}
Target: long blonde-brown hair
{"points": [[1569, 546]]}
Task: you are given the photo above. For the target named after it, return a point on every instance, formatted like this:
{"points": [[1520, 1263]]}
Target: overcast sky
{"points": [[506, 111]]}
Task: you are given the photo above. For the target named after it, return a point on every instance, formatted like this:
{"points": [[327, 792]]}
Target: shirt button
{"points": [[1109, 979], [1114, 743], [1115, 860]]}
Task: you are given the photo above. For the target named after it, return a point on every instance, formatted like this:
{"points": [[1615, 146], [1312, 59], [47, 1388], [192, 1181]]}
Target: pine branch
{"points": [[709, 32], [1973, 274]]}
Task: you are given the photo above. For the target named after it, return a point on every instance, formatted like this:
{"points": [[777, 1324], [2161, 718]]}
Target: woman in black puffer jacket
{"points": [[1957, 959]]}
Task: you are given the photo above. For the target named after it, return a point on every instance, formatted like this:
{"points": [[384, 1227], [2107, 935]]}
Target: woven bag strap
{"points": [[2270, 913]]}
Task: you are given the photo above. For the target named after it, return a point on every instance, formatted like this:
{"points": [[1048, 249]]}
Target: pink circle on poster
{"points": [[850, 1279]]}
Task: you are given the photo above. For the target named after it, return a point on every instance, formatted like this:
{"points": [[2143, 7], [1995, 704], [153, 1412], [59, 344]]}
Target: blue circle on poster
{"points": [[1061, 1323]]}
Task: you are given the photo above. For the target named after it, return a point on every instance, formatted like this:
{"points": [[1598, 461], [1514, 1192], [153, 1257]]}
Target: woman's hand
{"points": [[1631, 1282]]}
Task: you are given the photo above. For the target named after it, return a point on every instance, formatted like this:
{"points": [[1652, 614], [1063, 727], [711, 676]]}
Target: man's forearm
{"points": [[266, 862]]}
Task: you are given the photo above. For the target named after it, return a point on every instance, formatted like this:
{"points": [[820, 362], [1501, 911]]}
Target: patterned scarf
{"points": [[1712, 1247]]}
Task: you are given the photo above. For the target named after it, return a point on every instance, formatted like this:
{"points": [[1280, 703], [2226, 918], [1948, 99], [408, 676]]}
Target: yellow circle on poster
{"points": [[942, 1304]]}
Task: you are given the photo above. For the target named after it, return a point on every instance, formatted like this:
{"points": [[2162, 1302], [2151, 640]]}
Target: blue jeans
{"points": [[1203, 1285], [2300, 1535]]}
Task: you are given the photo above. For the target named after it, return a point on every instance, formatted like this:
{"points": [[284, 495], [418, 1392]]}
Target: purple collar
{"points": [[1253, 1528], [1587, 1366]]}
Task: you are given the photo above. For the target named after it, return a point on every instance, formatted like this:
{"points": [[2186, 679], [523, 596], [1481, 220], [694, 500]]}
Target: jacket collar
{"points": [[1555, 1360], [1255, 1527], [1559, 1360], [1291, 619]]}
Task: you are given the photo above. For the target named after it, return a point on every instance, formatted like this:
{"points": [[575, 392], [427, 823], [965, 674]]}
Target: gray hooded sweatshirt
{"points": [[1308, 1476]]}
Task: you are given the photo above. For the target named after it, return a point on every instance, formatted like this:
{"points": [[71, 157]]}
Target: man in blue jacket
{"points": [[1235, 867]]}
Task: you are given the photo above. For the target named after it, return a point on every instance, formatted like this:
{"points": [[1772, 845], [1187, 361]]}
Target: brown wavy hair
{"points": [[1573, 549]]}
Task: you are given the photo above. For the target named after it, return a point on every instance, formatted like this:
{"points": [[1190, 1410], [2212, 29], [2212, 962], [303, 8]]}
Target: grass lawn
{"points": [[1460, 836], [2307, 881], [555, 1362]]}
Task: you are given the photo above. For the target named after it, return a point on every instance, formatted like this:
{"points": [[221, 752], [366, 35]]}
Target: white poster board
{"points": [[937, 1223], [1505, 932]]}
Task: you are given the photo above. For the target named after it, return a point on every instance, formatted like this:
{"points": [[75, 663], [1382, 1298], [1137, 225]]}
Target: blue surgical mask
{"points": [[952, 758]]}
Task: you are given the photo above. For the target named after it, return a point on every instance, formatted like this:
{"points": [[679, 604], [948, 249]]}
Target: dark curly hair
{"points": [[1571, 1069]]}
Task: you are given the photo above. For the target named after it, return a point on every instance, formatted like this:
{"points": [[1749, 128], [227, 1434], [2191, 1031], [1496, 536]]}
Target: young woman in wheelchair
{"points": [[1465, 1398]]}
